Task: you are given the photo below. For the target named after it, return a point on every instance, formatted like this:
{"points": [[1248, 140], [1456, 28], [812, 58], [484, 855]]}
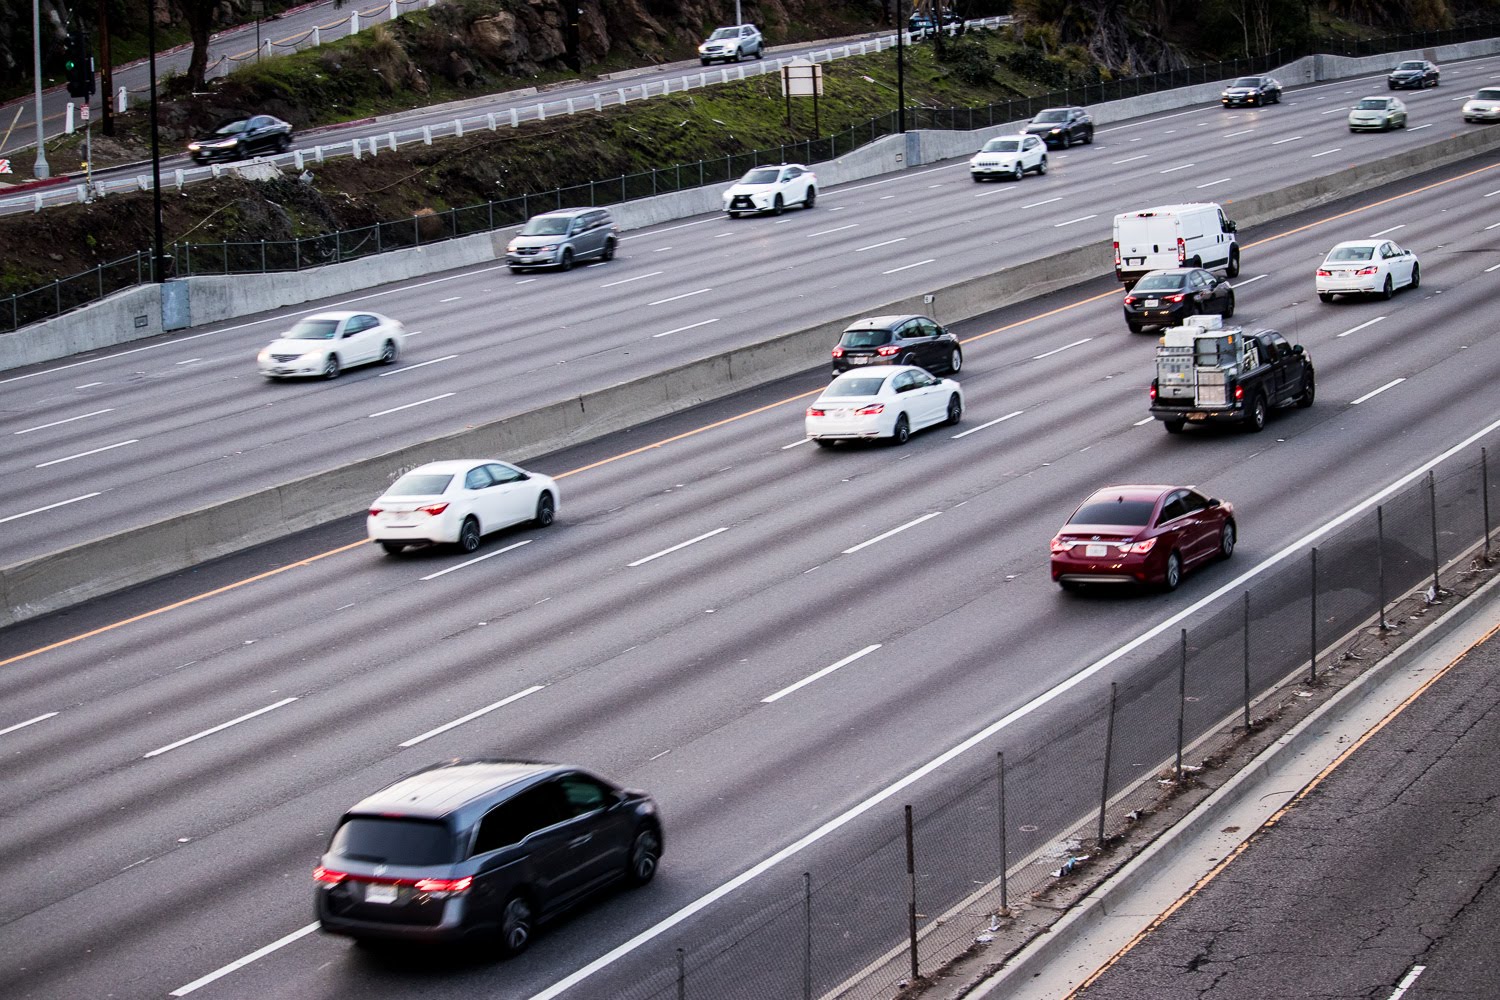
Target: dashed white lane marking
{"points": [[420, 364], [680, 545], [189, 361], [1420, 127], [837, 229], [690, 326], [59, 423], [1493, 225], [997, 420], [85, 454], [88, 385], [1081, 218], [486, 710], [1336, 149], [819, 674], [219, 728], [1231, 135], [626, 281], [1142, 423], [1491, 268], [240, 963], [873, 246], [1128, 159], [1331, 111], [1408, 981], [1059, 350], [907, 267], [1249, 281], [407, 406], [1356, 329], [451, 298], [50, 506], [1371, 395], [28, 722], [1491, 194], [1172, 170], [674, 298], [795, 444], [1221, 180], [1048, 201], [894, 531], [1292, 138], [665, 249], [526, 281], [476, 559], [1390, 230]]}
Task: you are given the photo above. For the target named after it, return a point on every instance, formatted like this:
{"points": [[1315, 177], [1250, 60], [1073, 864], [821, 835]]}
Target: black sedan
{"points": [[1062, 126], [242, 137], [1167, 297], [897, 340], [1413, 74], [1256, 90]]}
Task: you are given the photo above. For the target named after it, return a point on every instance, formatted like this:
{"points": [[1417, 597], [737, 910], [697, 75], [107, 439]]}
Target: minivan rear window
{"points": [[393, 841]]}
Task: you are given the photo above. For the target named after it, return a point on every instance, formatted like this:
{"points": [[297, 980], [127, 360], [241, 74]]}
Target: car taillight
{"points": [[433, 508], [887, 351], [1372, 269], [1239, 392], [838, 351], [1176, 298], [1139, 548], [813, 411], [1181, 251], [1153, 390], [1130, 300], [872, 410], [1117, 253], [1323, 272], [328, 876], [445, 884], [375, 511], [1058, 545]]}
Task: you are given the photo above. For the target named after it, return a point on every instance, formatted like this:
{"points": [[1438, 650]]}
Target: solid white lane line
{"points": [[59, 423], [668, 229], [50, 506], [1128, 159], [219, 728], [1059, 350], [816, 675], [1249, 281], [451, 298], [894, 531], [240, 963], [1231, 135], [1292, 138], [1045, 202], [906, 781], [908, 267], [1081, 218], [1210, 184], [420, 364], [1356, 329], [674, 548], [486, 710], [476, 559], [1143, 423], [1173, 170], [407, 406], [28, 722], [1407, 982], [85, 454], [1371, 395], [690, 326], [795, 444], [836, 229], [1390, 230], [997, 420], [1325, 152], [626, 281], [873, 246], [674, 298]]}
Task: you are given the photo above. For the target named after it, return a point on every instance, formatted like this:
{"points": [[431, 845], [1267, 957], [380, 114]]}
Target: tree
{"points": [[199, 15]]}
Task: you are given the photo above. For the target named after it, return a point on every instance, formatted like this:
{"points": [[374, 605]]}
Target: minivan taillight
{"points": [[328, 876], [445, 884]]}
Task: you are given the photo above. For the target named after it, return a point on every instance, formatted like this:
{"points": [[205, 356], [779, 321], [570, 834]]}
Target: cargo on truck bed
{"points": [[1209, 373]]}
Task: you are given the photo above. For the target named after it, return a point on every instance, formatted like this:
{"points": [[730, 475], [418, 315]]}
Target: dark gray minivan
{"points": [[482, 847], [561, 238]]}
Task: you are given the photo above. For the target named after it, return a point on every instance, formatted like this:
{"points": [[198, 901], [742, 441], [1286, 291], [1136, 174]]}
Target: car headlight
{"points": [[311, 356], [549, 247], [1056, 130], [193, 147], [264, 356]]}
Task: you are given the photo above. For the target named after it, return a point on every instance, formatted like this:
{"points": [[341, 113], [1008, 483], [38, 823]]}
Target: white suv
{"points": [[732, 44]]}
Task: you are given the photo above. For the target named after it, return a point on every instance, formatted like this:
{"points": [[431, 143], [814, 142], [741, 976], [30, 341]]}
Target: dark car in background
{"points": [[482, 847], [1413, 74], [240, 138], [897, 340], [1141, 535], [1256, 90], [1062, 126], [1167, 297]]}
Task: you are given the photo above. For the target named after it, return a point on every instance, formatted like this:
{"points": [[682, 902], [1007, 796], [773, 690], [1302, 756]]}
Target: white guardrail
{"points": [[298, 160]]}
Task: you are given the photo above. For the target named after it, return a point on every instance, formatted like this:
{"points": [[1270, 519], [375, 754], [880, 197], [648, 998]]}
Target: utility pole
{"points": [[41, 170], [106, 71], [900, 71], [158, 255]]}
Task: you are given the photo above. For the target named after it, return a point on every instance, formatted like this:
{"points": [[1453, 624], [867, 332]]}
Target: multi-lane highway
{"points": [[121, 438], [176, 755]]}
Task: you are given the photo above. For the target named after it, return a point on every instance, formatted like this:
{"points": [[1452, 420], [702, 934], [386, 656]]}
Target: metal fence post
{"points": [[1247, 660], [911, 898], [1004, 859], [99, 274], [262, 256], [681, 975], [1312, 663], [1380, 563], [1181, 701], [1109, 740], [807, 937], [225, 248], [1484, 495], [1432, 506]]}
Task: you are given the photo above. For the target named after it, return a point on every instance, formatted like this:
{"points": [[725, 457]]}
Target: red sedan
{"points": [[1141, 534]]}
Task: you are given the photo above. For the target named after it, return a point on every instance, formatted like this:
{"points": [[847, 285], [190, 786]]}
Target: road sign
{"points": [[83, 112], [5, 167]]}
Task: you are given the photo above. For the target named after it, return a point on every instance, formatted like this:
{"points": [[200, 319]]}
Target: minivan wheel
{"points": [[468, 534], [645, 854], [515, 925], [609, 248], [546, 508], [566, 264]]}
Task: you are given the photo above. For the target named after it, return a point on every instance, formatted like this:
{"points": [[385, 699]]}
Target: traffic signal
{"points": [[80, 65]]}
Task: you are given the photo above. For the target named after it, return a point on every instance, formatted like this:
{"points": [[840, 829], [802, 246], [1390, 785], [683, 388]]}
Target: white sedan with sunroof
{"points": [[1367, 267], [459, 502], [883, 401]]}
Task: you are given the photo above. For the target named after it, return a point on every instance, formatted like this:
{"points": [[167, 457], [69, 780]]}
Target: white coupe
{"points": [[771, 189], [1009, 156], [1367, 267], [324, 344], [459, 502], [883, 401]]}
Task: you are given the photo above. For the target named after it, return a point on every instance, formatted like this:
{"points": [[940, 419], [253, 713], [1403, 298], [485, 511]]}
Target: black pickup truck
{"points": [[1228, 375]]}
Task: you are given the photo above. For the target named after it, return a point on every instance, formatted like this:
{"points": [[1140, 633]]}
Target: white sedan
{"points": [[1010, 156], [883, 401], [1367, 267], [459, 502], [1483, 106], [324, 344], [771, 189]]}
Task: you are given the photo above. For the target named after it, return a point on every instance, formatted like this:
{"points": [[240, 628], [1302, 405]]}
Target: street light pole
{"points": [[158, 257], [900, 71], [41, 171], [737, 19]]}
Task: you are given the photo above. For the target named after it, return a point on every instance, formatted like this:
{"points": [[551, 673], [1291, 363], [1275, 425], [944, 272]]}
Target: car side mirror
{"points": [[1230, 227], [1213, 502]]}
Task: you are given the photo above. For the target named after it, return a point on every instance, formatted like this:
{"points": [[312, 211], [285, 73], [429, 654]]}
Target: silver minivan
{"points": [[561, 238]]}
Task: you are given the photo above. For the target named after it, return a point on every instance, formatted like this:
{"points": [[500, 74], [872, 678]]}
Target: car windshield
{"points": [[1115, 510], [547, 225], [761, 175], [1409, 65], [1487, 95], [854, 385], [391, 841], [313, 329], [1001, 146], [232, 128], [1371, 104], [865, 338], [420, 484], [724, 33], [1246, 81], [1352, 253], [1159, 283], [1051, 116]]}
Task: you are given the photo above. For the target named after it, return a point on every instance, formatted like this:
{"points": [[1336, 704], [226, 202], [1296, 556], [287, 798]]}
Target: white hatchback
{"points": [[324, 344], [771, 189], [1367, 267], [459, 502], [1009, 156], [883, 401]]}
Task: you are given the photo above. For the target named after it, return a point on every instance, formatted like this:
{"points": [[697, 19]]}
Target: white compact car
{"points": [[1367, 267], [1011, 156], [1483, 106], [771, 189], [883, 401], [459, 502], [324, 344]]}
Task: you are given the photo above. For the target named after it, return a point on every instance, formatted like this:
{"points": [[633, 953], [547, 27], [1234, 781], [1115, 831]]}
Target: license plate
{"points": [[857, 359], [1197, 416], [1152, 303], [1096, 551], [379, 893]]}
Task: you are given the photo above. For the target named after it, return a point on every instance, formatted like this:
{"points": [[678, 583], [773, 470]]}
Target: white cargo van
{"points": [[1194, 235]]}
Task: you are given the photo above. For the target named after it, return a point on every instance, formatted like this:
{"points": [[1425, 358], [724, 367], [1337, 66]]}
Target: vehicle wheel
{"points": [[1232, 269], [955, 410], [515, 926], [760, 53], [909, 359], [1390, 86], [1229, 306], [1041, 168], [823, 442], [1276, 98], [1071, 586], [1135, 327], [734, 215], [1416, 276], [778, 207], [283, 144], [1173, 426], [1256, 421], [1195, 262], [1017, 173], [546, 509], [468, 534], [977, 179], [393, 548], [388, 353], [1326, 296], [812, 197], [704, 61], [1173, 575], [645, 855], [514, 269], [955, 361], [1088, 137], [1309, 391], [1067, 140], [1388, 289], [738, 55], [566, 264], [1227, 538], [331, 367], [609, 248], [902, 433]]}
